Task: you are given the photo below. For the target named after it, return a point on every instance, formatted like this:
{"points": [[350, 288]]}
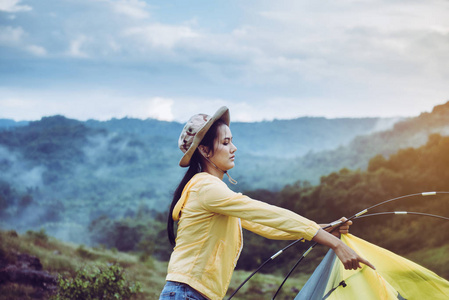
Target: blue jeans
{"points": [[179, 291]]}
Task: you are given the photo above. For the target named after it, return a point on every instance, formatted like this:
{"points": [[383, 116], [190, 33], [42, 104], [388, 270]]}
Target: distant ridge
{"points": [[277, 138], [8, 123], [59, 171], [411, 132]]}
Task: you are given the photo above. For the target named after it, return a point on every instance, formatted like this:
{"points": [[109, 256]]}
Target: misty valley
{"points": [[108, 184]]}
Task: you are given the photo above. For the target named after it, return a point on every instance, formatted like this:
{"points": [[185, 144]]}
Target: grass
{"points": [[65, 258], [15, 291], [264, 286]]}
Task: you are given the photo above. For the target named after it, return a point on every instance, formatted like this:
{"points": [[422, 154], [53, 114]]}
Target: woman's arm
{"points": [[268, 232], [350, 259], [216, 197]]}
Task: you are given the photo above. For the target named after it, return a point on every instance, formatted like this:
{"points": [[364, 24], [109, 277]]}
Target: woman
{"points": [[210, 216]]}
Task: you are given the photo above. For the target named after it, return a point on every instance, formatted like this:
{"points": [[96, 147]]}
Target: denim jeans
{"points": [[179, 291]]}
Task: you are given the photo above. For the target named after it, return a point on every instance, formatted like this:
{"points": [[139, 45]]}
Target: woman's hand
{"points": [[343, 229], [349, 258]]}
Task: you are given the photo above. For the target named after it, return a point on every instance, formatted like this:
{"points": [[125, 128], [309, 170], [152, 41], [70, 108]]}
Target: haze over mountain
{"points": [[412, 132], [61, 174]]}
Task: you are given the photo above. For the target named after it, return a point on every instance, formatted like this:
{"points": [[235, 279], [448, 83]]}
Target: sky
{"points": [[265, 60]]}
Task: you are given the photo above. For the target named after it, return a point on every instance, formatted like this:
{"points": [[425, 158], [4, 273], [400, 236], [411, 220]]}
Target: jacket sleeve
{"points": [[216, 197], [268, 232]]}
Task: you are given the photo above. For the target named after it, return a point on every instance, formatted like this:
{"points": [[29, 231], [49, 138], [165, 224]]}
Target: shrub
{"points": [[97, 283], [40, 235], [84, 253], [12, 233]]}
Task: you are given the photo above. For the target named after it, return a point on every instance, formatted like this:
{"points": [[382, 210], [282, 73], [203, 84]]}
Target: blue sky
{"points": [[263, 59]]}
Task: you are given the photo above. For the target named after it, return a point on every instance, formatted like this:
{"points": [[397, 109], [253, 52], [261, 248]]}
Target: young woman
{"points": [[210, 216]]}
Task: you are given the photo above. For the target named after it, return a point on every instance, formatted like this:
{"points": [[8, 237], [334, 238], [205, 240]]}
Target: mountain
{"points": [[411, 132], [266, 145], [277, 138], [62, 173], [8, 123], [102, 182]]}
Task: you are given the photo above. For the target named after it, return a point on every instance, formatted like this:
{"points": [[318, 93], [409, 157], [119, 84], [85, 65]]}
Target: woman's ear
{"points": [[203, 150]]}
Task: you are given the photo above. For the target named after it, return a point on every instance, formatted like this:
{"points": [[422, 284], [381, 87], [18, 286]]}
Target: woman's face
{"points": [[224, 150]]}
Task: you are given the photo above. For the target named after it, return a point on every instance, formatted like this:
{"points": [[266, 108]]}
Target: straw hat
{"points": [[194, 131]]}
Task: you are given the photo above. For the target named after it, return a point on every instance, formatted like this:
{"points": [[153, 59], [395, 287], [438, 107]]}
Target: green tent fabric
{"points": [[394, 278]]}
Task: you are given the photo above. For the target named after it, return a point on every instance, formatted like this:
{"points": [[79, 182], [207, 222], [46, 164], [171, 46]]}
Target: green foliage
{"points": [[146, 247], [97, 174], [81, 251], [263, 286], [411, 170], [123, 234], [25, 201], [341, 193], [58, 257], [144, 233], [95, 283], [412, 132], [8, 198], [4, 252], [16, 291], [40, 235], [64, 171], [346, 192], [74, 174], [49, 141]]}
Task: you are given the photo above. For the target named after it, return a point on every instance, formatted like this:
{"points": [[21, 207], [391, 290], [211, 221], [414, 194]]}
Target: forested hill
{"points": [[62, 174], [278, 138], [409, 171], [7, 123], [60, 169], [412, 132]]}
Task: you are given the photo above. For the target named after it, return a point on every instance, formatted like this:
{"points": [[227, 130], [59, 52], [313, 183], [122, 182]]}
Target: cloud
{"points": [[100, 104], [161, 109], [15, 37], [131, 8], [19, 171], [10, 36], [13, 6], [36, 50], [160, 35], [354, 33], [76, 45], [334, 59]]}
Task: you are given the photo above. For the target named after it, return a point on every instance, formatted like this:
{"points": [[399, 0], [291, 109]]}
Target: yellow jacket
{"points": [[209, 239]]}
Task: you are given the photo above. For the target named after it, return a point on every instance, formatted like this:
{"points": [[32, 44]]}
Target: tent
{"points": [[394, 278]]}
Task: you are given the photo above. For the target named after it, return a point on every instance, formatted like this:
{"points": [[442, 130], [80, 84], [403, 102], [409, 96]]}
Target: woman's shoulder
{"points": [[208, 188], [205, 177], [206, 180]]}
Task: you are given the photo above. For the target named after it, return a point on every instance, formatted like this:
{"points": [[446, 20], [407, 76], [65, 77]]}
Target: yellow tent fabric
{"points": [[364, 285], [395, 277]]}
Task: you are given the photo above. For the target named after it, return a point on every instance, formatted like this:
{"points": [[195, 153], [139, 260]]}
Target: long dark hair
{"points": [[195, 167]]}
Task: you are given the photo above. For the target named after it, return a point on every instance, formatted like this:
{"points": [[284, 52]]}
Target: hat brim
{"points": [[223, 114]]}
